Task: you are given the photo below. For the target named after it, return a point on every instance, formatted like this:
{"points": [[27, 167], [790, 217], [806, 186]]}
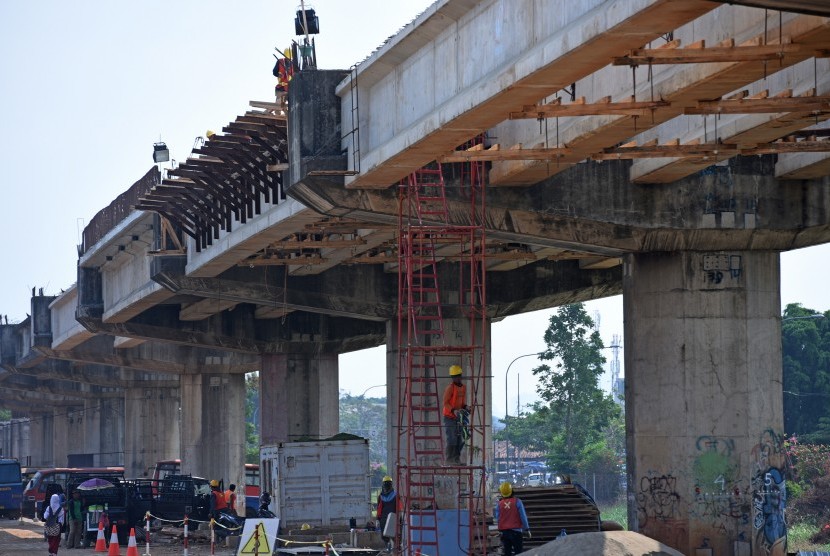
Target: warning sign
{"points": [[259, 537]]}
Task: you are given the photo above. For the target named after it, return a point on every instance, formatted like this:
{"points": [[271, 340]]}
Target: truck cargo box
{"points": [[319, 482]]}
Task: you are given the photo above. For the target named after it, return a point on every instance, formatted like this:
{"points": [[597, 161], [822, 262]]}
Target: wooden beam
{"points": [[512, 154], [646, 56], [317, 244], [761, 106], [556, 110], [275, 261], [667, 151]]}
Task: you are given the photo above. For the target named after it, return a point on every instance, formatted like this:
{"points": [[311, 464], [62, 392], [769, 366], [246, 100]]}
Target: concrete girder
{"points": [[814, 7], [93, 374], [613, 216], [735, 128], [364, 334], [682, 87], [65, 389], [307, 295], [553, 45]]}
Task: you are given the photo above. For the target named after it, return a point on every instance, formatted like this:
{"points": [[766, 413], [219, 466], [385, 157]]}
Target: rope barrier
{"points": [[326, 544]]}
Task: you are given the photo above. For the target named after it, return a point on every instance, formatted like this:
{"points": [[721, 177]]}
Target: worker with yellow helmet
{"points": [[455, 399], [511, 519], [388, 506], [217, 499]]}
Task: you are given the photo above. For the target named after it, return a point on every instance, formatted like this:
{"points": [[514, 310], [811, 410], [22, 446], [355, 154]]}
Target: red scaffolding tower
{"points": [[441, 322]]}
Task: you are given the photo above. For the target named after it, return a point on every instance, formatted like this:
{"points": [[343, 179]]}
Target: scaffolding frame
{"points": [[433, 248]]}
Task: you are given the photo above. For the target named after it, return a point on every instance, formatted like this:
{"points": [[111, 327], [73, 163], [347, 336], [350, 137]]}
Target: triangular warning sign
{"points": [[258, 542]]}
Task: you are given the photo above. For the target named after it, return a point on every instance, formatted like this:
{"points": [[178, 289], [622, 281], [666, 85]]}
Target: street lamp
{"points": [[371, 387], [506, 373]]}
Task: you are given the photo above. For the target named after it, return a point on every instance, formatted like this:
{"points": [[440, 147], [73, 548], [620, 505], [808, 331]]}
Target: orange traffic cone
{"points": [[132, 547], [115, 548], [100, 542]]}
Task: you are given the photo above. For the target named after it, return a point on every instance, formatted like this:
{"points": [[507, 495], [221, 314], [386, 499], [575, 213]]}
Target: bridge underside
{"points": [[665, 149]]}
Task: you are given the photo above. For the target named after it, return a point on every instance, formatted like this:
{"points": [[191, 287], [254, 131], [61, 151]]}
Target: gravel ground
{"points": [[25, 538]]}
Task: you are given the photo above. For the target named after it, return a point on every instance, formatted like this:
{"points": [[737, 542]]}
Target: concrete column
{"points": [[153, 426], [60, 436], [457, 333], [40, 439], [704, 413], [213, 426], [299, 396]]}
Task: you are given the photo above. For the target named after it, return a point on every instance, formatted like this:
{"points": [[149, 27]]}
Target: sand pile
{"points": [[606, 543]]}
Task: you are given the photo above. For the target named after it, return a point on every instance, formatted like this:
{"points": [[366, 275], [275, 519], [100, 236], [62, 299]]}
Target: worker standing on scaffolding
{"points": [[455, 401], [283, 71]]}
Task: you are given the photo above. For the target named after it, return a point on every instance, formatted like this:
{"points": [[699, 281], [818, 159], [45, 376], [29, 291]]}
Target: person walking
{"points": [[230, 499], [75, 514], [455, 399], [387, 505], [511, 519], [54, 517]]}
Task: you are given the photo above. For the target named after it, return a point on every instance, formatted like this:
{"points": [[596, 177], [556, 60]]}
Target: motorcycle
{"points": [[264, 513], [228, 525]]}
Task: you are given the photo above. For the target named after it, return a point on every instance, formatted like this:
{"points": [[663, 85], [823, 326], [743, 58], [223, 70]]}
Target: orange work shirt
{"points": [[455, 397]]}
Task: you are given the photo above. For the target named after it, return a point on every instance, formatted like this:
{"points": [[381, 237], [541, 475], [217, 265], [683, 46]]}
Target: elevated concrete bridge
{"points": [[665, 149]]}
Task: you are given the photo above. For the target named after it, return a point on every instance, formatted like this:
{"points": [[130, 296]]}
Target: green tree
{"points": [[366, 417], [578, 411], [805, 343]]}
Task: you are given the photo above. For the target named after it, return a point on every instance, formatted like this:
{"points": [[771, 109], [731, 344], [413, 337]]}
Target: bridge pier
{"points": [[213, 425], [152, 427], [299, 396], [704, 414]]}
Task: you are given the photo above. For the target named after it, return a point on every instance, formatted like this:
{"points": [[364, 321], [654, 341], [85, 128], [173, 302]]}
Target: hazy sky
{"points": [[87, 87]]}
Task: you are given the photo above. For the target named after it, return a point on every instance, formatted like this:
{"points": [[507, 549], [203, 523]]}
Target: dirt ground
{"points": [[25, 538]]}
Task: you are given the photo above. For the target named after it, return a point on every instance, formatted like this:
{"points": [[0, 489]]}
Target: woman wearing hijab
{"points": [[53, 534]]}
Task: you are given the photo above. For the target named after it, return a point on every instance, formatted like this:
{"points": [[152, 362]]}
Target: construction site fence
{"points": [[603, 487]]}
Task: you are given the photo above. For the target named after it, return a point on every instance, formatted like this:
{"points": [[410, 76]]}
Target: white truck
{"points": [[319, 482]]}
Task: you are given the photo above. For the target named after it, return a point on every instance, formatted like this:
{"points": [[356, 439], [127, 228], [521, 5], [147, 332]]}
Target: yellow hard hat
{"points": [[214, 483], [455, 370], [210, 133], [387, 479], [305, 527], [506, 489], [287, 53]]}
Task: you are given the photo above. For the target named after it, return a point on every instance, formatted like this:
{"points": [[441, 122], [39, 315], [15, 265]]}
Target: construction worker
{"points": [[455, 399], [230, 498], [511, 519], [217, 499], [284, 71], [387, 505]]}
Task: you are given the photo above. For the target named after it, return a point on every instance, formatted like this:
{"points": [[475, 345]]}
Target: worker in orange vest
{"points": [[217, 499], [230, 498], [283, 71], [455, 399]]}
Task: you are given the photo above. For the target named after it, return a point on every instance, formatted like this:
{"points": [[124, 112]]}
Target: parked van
{"points": [[46, 480], [11, 488], [535, 479]]}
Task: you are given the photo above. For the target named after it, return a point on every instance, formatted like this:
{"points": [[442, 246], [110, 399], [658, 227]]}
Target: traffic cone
{"points": [[132, 547], [115, 549], [100, 542]]}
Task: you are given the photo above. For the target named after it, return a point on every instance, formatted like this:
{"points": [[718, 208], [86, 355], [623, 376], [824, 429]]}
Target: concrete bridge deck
{"points": [[278, 251]]}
